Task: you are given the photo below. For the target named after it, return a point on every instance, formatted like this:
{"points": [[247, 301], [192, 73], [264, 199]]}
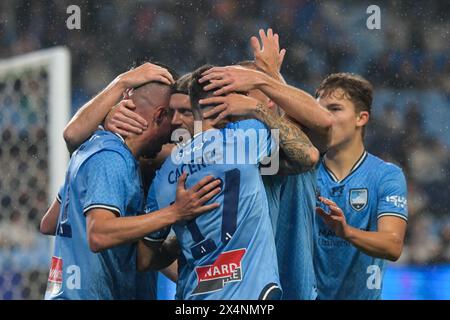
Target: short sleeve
{"points": [[59, 195], [152, 206], [392, 195], [106, 175]]}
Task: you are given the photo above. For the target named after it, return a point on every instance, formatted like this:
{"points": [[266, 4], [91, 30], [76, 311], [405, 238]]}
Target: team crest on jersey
{"points": [[227, 268], [358, 198], [55, 276]]}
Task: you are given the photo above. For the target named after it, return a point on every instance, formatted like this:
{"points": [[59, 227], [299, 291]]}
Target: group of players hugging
{"points": [[231, 182]]}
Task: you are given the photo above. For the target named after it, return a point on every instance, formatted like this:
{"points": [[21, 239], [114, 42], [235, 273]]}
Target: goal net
{"points": [[34, 108]]}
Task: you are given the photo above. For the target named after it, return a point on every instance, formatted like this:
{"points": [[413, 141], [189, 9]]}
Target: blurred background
{"points": [[407, 60]]}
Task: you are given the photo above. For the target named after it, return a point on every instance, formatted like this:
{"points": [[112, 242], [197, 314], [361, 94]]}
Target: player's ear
{"points": [[160, 115], [362, 118], [127, 93]]}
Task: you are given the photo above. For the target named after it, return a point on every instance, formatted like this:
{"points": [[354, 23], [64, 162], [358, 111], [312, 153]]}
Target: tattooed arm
{"points": [[298, 104], [297, 152]]}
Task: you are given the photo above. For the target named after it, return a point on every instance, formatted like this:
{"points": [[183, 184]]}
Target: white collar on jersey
{"points": [[355, 166], [102, 128]]}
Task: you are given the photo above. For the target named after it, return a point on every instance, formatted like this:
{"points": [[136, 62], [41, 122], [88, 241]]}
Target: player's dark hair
{"points": [[196, 91], [182, 84], [357, 89]]}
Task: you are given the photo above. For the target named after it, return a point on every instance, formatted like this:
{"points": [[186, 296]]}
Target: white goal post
{"points": [[34, 109], [58, 62]]}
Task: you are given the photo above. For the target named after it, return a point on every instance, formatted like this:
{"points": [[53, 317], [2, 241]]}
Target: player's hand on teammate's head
{"points": [[232, 104], [335, 219], [231, 79], [146, 72], [268, 56], [190, 203], [123, 120]]}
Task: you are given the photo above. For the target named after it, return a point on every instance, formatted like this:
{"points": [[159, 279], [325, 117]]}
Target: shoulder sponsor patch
{"points": [[227, 268], [398, 201], [358, 198]]}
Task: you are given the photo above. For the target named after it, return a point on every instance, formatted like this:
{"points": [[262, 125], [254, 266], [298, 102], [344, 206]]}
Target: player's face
{"points": [[159, 116], [156, 137], [345, 122], [182, 113]]}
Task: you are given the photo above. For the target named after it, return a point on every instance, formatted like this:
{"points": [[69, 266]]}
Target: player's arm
{"points": [[385, 243], [299, 153], [297, 104], [303, 108], [158, 256], [267, 55], [106, 230], [92, 114], [171, 271], [50, 220]]}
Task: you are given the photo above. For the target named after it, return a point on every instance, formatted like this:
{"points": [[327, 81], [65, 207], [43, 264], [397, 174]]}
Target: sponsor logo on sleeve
{"points": [[398, 201]]}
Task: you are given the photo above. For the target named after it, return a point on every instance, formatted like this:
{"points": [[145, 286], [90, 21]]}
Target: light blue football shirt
{"points": [[102, 173], [372, 190], [228, 253]]}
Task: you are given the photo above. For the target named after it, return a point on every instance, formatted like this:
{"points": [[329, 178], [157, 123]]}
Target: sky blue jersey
{"points": [[372, 190], [104, 174], [229, 252], [292, 201]]}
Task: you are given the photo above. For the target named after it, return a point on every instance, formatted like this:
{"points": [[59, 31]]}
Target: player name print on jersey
{"points": [[213, 245], [226, 268]]}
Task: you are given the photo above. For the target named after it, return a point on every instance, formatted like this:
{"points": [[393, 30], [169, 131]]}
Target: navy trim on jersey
{"points": [[230, 204], [357, 164], [394, 214], [203, 248], [114, 209], [193, 228], [58, 198], [330, 173], [271, 291], [154, 240]]}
